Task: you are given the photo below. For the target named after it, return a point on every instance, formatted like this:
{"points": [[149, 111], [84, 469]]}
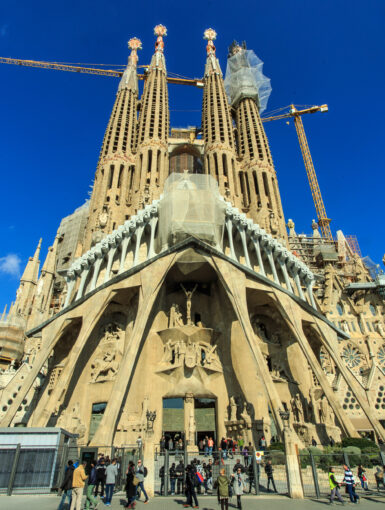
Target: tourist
{"points": [[79, 477], [130, 486], [230, 445], [209, 475], [139, 442], [111, 475], [239, 486], [206, 445], [179, 476], [199, 469], [262, 444], [245, 453], [190, 488], [334, 487], [180, 444], [379, 477], [170, 445], [161, 477], [224, 489], [250, 474], [162, 444], [350, 484], [141, 473], [100, 476], [210, 445], [66, 486], [201, 445], [241, 443], [173, 477], [269, 473], [91, 500], [238, 465], [361, 475], [313, 442], [224, 448]]}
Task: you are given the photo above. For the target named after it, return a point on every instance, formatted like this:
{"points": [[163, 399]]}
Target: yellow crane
{"points": [[323, 220]]}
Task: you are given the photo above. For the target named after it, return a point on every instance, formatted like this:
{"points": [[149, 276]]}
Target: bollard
{"points": [[166, 473], [14, 469]]}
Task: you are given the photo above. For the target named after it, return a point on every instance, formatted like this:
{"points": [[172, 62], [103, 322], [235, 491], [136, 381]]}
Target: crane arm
{"points": [[293, 113], [90, 70]]}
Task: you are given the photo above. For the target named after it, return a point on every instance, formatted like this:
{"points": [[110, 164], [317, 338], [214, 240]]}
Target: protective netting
{"points": [[191, 206], [245, 78]]}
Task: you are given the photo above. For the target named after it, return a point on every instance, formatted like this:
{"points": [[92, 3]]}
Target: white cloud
{"points": [[10, 264]]}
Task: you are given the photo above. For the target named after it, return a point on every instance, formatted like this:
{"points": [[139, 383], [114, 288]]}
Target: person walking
{"points": [[362, 477], [379, 477], [270, 478], [210, 445], [245, 453], [237, 466], [66, 486], [173, 477], [100, 476], [334, 487], [78, 481], [91, 500], [224, 490], [239, 486], [190, 488], [350, 484], [209, 475], [111, 475], [130, 486], [141, 473], [262, 443]]}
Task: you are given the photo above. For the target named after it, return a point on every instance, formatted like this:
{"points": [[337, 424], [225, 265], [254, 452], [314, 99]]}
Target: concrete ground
{"points": [[51, 502]]}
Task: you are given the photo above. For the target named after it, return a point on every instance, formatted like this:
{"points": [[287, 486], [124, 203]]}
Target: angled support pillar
{"points": [[151, 285], [234, 285]]}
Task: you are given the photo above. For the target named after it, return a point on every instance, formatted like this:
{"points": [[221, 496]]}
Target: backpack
{"points": [[145, 471]]}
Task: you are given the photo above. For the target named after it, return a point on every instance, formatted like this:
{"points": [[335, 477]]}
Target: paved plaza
{"points": [[51, 502]]}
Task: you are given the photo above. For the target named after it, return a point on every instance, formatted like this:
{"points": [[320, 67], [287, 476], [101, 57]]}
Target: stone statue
{"points": [[314, 226], [167, 356], [105, 368], [326, 413], [246, 417], [345, 327], [175, 317], [291, 226], [299, 406], [233, 409], [189, 295]]}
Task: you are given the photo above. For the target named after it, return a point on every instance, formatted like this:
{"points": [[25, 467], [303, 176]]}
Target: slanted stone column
{"points": [[294, 483]]}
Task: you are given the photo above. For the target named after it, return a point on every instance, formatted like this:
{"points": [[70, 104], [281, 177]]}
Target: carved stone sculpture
{"points": [[175, 319], [104, 369], [189, 295], [233, 409], [191, 428]]}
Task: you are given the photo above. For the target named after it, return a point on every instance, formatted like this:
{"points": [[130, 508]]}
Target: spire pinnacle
{"points": [[212, 64], [158, 59], [129, 80]]}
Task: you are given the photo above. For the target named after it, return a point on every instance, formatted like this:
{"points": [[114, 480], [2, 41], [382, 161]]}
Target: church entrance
{"points": [[205, 418]]}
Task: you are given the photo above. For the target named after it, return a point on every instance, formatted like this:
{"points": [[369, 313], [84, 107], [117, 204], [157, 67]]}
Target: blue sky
{"points": [[52, 123]]}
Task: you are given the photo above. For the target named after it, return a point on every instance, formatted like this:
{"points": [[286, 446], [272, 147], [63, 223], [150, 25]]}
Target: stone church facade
{"points": [[183, 306]]}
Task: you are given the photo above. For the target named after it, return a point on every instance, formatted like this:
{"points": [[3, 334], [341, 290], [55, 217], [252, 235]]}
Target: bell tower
{"points": [[112, 197], [153, 128]]}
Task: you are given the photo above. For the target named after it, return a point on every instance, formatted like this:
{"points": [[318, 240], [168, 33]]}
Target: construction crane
{"points": [[323, 220], [92, 70]]}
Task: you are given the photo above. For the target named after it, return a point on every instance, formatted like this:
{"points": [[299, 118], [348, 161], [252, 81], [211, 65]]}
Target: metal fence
{"points": [[41, 469], [257, 481], [314, 470]]}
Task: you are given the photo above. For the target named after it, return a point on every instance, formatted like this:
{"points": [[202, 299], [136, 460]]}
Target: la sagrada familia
{"points": [[179, 302]]}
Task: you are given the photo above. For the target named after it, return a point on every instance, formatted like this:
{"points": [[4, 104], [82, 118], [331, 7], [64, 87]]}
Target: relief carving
{"points": [[105, 364]]}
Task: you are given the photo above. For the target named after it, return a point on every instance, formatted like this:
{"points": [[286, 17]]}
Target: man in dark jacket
{"points": [[100, 476], [179, 474], [238, 465], [190, 487], [172, 472], [269, 474], [66, 486], [91, 500]]}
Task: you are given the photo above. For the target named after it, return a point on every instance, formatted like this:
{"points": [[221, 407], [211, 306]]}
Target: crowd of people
{"points": [[350, 483], [102, 479]]}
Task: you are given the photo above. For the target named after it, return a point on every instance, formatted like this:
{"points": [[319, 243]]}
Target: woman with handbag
{"points": [[131, 485], [239, 486], [224, 489]]}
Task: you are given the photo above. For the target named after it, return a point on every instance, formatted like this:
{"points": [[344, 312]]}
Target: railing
{"points": [[134, 242]]}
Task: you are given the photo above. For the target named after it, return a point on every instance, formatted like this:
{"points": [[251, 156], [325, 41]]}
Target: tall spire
{"points": [[217, 126], [111, 201], [259, 192], [25, 293], [154, 119]]}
